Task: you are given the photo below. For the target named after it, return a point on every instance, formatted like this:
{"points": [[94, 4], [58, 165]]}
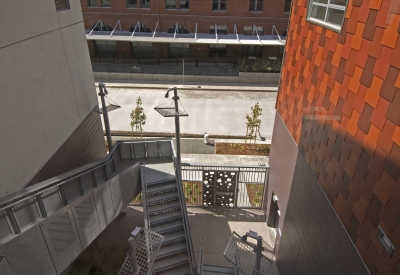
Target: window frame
{"points": [[385, 242], [107, 6], [324, 23], [143, 7], [63, 9], [287, 4], [255, 6], [88, 4], [219, 5]]}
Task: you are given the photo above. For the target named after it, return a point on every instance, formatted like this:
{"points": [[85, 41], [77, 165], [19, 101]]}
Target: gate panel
{"points": [[208, 188]]}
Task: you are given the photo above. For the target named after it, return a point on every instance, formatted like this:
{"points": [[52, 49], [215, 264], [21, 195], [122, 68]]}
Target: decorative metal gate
{"points": [[226, 186]]}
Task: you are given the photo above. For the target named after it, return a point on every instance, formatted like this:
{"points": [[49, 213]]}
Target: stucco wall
{"points": [[47, 85]]}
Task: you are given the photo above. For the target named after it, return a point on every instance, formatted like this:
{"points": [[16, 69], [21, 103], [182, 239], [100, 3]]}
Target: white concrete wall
{"points": [[47, 85]]}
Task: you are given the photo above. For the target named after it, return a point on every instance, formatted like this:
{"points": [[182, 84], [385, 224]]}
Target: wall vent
{"points": [[384, 240]]}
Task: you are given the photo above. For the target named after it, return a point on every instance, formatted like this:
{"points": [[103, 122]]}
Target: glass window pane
{"points": [[183, 4], [215, 5], [259, 5], [222, 5], [106, 2], [252, 5], [339, 2], [318, 12], [61, 4], [145, 4], [92, 3], [248, 30], [132, 3], [335, 16], [170, 4]]}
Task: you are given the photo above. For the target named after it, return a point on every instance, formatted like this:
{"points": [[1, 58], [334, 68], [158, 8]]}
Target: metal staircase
{"points": [[164, 214]]}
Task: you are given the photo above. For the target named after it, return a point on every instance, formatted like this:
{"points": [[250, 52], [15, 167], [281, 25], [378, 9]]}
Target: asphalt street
{"points": [[218, 112]]}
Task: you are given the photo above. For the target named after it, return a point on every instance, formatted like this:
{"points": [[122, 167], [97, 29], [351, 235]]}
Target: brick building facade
{"points": [[194, 15], [339, 102]]}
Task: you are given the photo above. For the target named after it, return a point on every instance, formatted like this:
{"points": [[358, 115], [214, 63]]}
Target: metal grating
{"points": [[85, 212], [61, 233], [243, 257], [71, 190], [170, 112], [146, 246], [51, 200], [5, 229], [26, 212]]}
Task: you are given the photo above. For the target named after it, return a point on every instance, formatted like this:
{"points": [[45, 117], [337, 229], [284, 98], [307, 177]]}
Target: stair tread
{"points": [[181, 270], [160, 187], [161, 206], [165, 181], [163, 196], [167, 226], [165, 216], [218, 269], [170, 249], [170, 262], [174, 236]]}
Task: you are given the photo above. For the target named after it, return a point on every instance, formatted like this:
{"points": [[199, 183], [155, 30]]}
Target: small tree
{"points": [[253, 123], [138, 118]]}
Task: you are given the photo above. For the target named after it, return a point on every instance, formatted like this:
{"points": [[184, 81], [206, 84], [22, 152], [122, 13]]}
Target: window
{"points": [[145, 4], [92, 3], [217, 50], [170, 4], [184, 4], [256, 5], [288, 3], [132, 3], [102, 26], [178, 49], [329, 13], [384, 240], [250, 30], [219, 4], [220, 29], [106, 3], [181, 29], [61, 4], [142, 49], [106, 48], [140, 28]]}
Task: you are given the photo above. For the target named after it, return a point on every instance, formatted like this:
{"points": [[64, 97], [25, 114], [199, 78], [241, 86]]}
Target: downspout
{"points": [[158, 18]]}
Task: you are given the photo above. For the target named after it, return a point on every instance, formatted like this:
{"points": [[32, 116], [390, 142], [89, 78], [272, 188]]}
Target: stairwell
{"points": [[165, 214]]}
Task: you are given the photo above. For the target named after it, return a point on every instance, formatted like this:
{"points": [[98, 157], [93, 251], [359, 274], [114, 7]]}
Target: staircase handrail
{"points": [[146, 211], [201, 256], [189, 244]]}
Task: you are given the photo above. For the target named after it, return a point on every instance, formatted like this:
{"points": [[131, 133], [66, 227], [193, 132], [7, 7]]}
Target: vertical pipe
{"points": [[258, 255], [177, 133], [105, 115], [13, 220]]}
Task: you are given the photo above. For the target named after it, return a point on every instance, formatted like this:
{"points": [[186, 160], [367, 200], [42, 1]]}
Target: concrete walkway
{"points": [[217, 110]]}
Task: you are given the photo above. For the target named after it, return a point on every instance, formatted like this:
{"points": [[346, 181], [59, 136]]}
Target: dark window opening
{"points": [[102, 26], [250, 30], [142, 50], [220, 29], [145, 4], [178, 49], [93, 3], [251, 50], [132, 3], [218, 50], [61, 4], [184, 4], [219, 4], [170, 4], [288, 4], [106, 48], [106, 3], [181, 29], [256, 5], [274, 213], [140, 28]]}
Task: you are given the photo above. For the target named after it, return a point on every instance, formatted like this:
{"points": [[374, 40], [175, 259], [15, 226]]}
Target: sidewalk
{"points": [[241, 87]]}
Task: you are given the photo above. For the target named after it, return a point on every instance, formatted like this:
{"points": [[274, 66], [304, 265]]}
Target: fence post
{"points": [[236, 197], [13, 220]]}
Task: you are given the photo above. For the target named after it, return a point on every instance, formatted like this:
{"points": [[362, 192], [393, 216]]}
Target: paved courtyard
{"points": [[218, 112]]}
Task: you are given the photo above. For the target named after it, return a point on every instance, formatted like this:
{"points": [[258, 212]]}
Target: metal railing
{"points": [[72, 209], [250, 183], [201, 256]]}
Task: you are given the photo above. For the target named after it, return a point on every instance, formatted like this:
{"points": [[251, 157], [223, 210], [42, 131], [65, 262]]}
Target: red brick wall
{"points": [[340, 98], [124, 49], [200, 12]]}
